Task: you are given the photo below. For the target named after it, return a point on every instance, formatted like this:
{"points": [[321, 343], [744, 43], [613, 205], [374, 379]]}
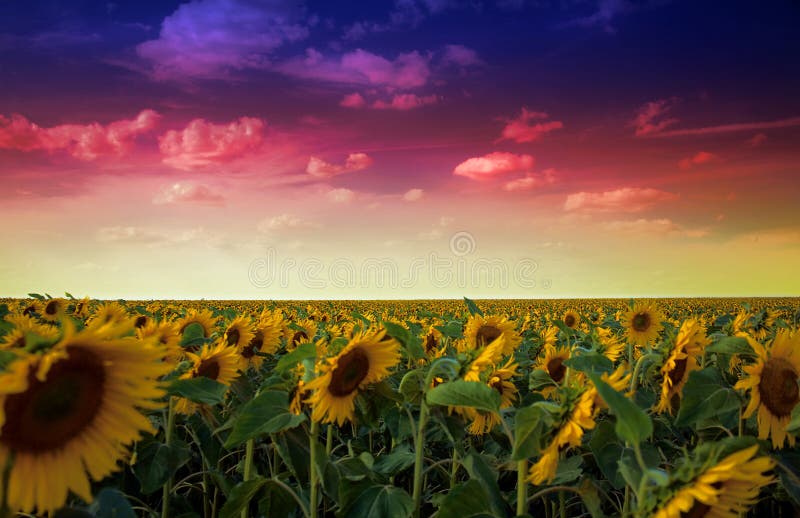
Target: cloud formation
{"points": [[700, 158], [202, 143], [405, 102], [413, 195], [523, 129], [652, 117], [321, 169], [627, 199], [188, 193], [532, 181], [494, 164], [83, 141]]}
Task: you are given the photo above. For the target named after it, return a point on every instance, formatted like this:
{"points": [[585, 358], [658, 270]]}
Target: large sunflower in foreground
{"points": [[642, 323], [67, 415], [772, 382], [219, 363], [483, 330], [681, 360], [725, 489], [580, 409], [366, 359]]}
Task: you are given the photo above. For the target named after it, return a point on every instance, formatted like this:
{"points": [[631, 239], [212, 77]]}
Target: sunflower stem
{"points": [[248, 467], [522, 487], [312, 502], [454, 468], [329, 441], [170, 426], [562, 504], [419, 446]]}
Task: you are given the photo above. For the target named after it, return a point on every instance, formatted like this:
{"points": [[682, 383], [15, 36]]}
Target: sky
{"points": [[229, 149]]}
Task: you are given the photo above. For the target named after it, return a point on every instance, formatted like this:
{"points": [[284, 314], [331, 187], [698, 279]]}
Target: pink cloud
{"points": [[703, 157], [756, 140], [82, 141], [494, 164], [729, 128], [627, 199], [340, 195], [652, 117], [188, 193], [407, 70], [652, 227], [354, 100], [405, 102], [322, 169], [532, 181], [413, 195], [209, 38], [523, 130], [461, 56], [203, 143]]}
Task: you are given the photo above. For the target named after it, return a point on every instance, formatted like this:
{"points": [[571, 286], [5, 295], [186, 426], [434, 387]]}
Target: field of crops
{"points": [[451, 408]]}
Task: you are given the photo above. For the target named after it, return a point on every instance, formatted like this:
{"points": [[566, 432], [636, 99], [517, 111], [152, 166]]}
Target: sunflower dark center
{"points": [[51, 308], [570, 320], [299, 335], [50, 413], [556, 369], [255, 344], [233, 336], [350, 371], [676, 374], [778, 387], [430, 343], [208, 369], [641, 322], [140, 321], [486, 335]]}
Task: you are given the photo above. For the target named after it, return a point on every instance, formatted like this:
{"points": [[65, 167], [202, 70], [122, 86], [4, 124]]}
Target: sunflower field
{"points": [[446, 408]]}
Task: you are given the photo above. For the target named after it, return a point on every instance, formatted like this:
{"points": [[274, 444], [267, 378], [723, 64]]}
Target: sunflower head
{"points": [[53, 309], [239, 332], [481, 331], [681, 359], [219, 362], [571, 319], [642, 323], [204, 318]]}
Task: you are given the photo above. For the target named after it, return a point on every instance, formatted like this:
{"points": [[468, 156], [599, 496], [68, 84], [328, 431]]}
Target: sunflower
{"points": [[110, 316], [481, 331], [773, 385], [266, 339], [579, 412], [24, 330], [432, 343], [643, 323], [727, 488], [571, 319], [239, 332], [299, 332], [204, 318], [219, 363], [682, 359], [597, 316], [53, 309], [366, 359], [166, 334], [608, 344], [741, 323], [67, 415], [553, 364], [485, 358], [81, 309], [499, 380]]}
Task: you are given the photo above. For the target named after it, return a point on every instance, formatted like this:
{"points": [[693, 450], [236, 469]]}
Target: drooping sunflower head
{"points": [[366, 359], [608, 344], [219, 362], [67, 415], [708, 486], [481, 331], [572, 319], [81, 308], [681, 359], [642, 323], [432, 343], [773, 385], [53, 309], [552, 362]]}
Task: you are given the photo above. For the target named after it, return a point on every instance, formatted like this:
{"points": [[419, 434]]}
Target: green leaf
{"points": [[378, 500], [453, 329], [35, 296], [240, 496], [590, 361], [472, 307], [530, 430], [467, 500], [794, 424], [633, 424], [410, 343], [200, 390], [156, 463], [111, 503], [277, 501], [479, 470], [264, 414], [568, 470], [705, 395], [303, 352], [412, 386], [731, 345], [395, 462], [193, 335], [465, 393]]}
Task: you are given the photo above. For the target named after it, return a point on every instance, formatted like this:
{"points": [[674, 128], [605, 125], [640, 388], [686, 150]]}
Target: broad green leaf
{"points": [[379, 500], [111, 503], [530, 430], [705, 395], [193, 335], [633, 424], [401, 458], [467, 500], [731, 345], [200, 390], [472, 307], [479, 470], [590, 361], [472, 394], [794, 424], [410, 343], [303, 352], [412, 386], [240, 496], [264, 414], [156, 463]]}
